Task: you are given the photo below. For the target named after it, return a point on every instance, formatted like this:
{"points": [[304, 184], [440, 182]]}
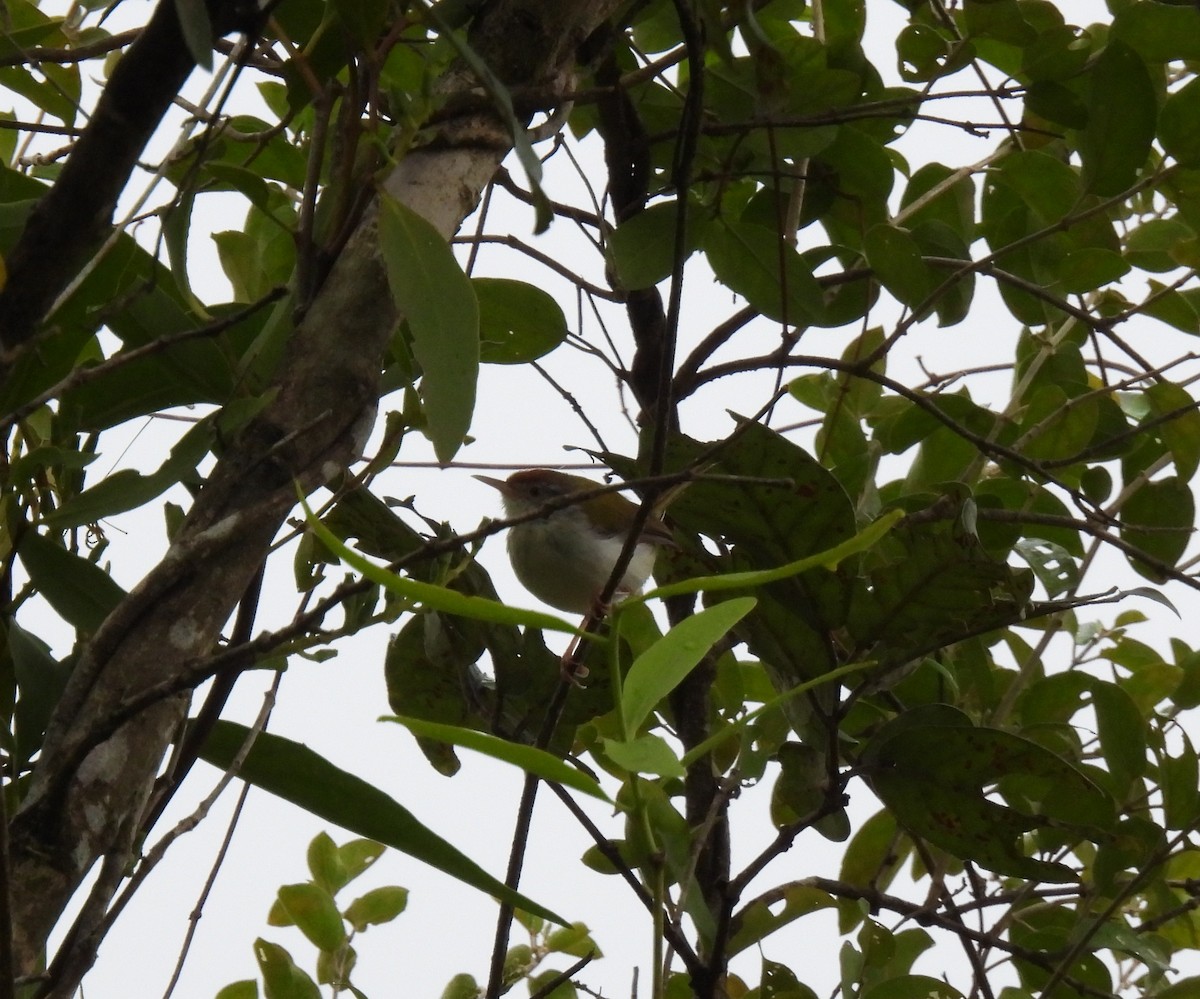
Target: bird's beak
{"points": [[499, 484]]}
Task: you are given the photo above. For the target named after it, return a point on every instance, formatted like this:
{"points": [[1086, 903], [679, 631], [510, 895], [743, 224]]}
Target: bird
{"points": [[566, 558]]}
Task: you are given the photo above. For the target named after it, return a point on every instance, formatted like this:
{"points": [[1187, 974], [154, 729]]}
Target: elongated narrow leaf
{"points": [[197, 29], [434, 295], [829, 559], [295, 773], [177, 226], [40, 679], [81, 592], [528, 758], [128, 489], [659, 670], [432, 597]]}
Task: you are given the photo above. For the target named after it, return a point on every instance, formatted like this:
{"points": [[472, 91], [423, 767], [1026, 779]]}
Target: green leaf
{"points": [[379, 905], [1158, 519], [18, 39], [357, 855], [1159, 31], [1179, 778], [1177, 124], [865, 539], [1043, 182], [434, 295], [177, 226], [758, 264], [1055, 427], [1053, 565], [295, 773], [529, 758], [197, 30], [80, 591], [912, 987], [282, 978], [936, 779], [1122, 732], [801, 785], [461, 986], [872, 859], [1156, 244], [646, 754], [325, 863], [41, 680], [247, 989], [128, 489], [661, 668], [953, 302], [784, 515], [575, 940], [47, 96], [1117, 935], [1181, 429], [933, 585], [426, 668], [312, 910], [953, 207], [540, 980], [780, 982], [781, 701], [1091, 268], [896, 259], [642, 248], [363, 19], [1185, 988], [1057, 103], [1122, 111], [518, 322], [1056, 928], [1170, 307], [1059, 52], [759, 919], [922, 52]]}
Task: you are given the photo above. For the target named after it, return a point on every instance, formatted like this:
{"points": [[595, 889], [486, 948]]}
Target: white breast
{"points": [[567, 567]]}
